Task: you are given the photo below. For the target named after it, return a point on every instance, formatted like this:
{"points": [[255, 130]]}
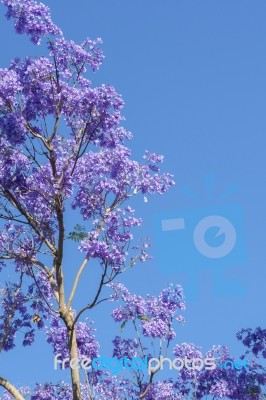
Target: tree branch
{"points": [[11, 198], [75, 285], [11, 389]]}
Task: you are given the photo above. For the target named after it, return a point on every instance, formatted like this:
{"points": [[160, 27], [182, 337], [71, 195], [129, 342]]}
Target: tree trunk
{"points": [[73, 350], [11, 389]]}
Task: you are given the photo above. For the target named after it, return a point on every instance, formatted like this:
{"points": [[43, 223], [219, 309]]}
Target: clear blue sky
{"points": [[193, 76]]}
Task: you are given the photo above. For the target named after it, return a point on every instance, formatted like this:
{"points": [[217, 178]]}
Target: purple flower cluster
{"points": [[57, 334], [31, 18], [155, 314], [190, 351], [165, 390], [125, 347], [20, 302], [234, 384], [71, 57], [255, 340], [115, 388]]}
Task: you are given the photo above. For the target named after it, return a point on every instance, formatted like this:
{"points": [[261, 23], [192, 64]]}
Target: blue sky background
{"points": [[193, 77]]}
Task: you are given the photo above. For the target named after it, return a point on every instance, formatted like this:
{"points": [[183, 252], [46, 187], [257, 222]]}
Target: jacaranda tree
{"points": [[63, 156]]}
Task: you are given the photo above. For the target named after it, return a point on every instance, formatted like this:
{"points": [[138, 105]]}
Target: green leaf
{"points": [[122, 327], [78, 234], [144, 318]]}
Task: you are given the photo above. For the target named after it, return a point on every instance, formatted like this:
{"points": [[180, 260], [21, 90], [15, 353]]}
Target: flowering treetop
{"points": [[63, 150]]}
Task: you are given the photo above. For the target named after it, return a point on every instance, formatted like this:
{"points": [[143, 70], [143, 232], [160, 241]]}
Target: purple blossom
{"points": [[57, 336], [68, 55], [31, 18], [155, 314], [164, 391], [125, 347], [255, 340]]}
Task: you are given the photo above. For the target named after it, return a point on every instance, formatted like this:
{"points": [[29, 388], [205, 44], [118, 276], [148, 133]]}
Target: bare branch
{"points": [[11, 389], [75, 285]]}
